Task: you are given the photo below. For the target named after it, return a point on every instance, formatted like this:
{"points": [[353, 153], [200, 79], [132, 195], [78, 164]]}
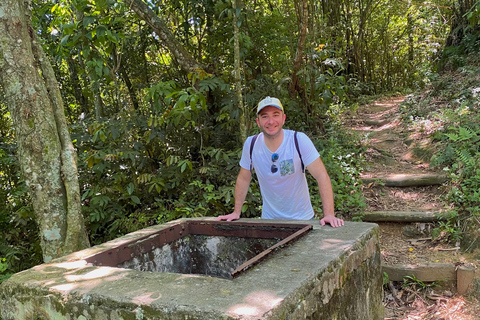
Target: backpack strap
{"points": [[298, 150], [252, 143]]}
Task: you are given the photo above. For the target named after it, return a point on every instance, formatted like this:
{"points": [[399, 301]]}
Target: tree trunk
{"points": [[77, 88], [407, 180], [238, 74], [301, 7], [185, 60], [411, 50], [45, 151], [349, 39], [131, 90], [128, 83], [97, 101], [402, 216]]}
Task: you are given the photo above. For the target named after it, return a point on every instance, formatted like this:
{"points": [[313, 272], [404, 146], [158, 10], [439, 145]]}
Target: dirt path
{"points": [[395, 149]]}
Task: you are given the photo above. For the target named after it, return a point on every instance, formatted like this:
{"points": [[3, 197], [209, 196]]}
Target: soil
{"points": [[393, 147]]}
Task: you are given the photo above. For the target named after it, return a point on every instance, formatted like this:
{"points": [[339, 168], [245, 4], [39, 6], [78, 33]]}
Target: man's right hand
{"points": [[229, 217]]}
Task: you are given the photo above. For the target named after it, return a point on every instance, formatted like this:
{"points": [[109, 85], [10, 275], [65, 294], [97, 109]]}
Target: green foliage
{"points": [[3, 268], [324, 84], [463, 54], [342, 158], [3, 265], [19, 241], [417, 285], [411, 109], [461, 160], [385, 279], [473, 15], [449, 229], [166, 164], [457, 143]]}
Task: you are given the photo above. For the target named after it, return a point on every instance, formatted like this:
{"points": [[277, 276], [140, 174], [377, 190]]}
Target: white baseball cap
{"points": [[269, 101]]}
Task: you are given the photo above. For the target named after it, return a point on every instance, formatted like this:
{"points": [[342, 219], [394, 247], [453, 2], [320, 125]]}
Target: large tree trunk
{"points": [[45, 150]]}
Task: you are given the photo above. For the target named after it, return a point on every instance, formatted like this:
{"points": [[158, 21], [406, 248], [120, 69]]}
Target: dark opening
{"points": [[214, 248]]}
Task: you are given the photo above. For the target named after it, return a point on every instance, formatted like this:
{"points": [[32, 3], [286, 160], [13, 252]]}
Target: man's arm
{"points": [[318, 171], [241, 189]]}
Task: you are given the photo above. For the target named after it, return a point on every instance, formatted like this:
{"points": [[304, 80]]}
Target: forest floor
{"points": [[393, 147]]}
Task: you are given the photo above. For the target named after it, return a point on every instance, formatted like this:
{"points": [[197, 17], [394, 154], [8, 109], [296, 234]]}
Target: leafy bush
{"points": [[462, 55], [461, 160], [341, 155], [4, 275], [167, 163]]}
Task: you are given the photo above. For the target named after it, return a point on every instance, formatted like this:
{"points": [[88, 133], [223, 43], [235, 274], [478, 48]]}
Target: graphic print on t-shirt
{"points": [[287, 167]]}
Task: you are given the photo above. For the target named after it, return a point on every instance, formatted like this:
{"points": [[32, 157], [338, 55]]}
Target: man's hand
{"points": [[334, 222], [229, 217]]}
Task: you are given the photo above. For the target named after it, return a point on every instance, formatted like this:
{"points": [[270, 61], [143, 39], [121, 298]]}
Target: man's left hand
{"points": [[334, 222]]}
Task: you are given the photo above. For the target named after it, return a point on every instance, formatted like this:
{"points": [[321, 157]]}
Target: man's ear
{"points": [[256, 119]]}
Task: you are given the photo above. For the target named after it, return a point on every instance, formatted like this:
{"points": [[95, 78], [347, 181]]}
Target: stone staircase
{"points": [[403, 196]]}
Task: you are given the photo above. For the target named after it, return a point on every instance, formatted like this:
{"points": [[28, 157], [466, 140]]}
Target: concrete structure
{"points": [[326, 274]]}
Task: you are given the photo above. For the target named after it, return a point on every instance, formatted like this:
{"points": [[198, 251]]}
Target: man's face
{"points": [[270, 120]]}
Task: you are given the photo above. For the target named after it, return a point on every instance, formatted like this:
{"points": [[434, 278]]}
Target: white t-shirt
{"points": [[285, 193]]}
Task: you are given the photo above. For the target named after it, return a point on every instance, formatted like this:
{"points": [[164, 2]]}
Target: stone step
{"points": [[377, 123], [462, 275], [403, 216], [406, 180]]}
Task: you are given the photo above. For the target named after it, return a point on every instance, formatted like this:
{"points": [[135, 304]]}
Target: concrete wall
{"points": [[327, 274]]}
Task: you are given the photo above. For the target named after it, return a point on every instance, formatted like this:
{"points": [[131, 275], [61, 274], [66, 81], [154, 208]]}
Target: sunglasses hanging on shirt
{"points": [[274, 167]]}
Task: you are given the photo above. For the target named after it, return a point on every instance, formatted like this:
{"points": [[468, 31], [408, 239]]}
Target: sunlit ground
{"points": [[436, 308]]}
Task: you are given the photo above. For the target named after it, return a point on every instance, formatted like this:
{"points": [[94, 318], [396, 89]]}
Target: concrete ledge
{"points": [[329, 273]]}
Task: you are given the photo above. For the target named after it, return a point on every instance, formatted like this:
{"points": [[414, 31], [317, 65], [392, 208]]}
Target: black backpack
{"points": [[296, 146]]}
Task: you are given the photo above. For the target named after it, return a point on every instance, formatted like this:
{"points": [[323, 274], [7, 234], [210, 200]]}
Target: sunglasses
{"points": [[274, 167]]}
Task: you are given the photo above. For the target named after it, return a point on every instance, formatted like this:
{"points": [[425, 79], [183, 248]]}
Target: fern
{"points": [[464, 134], [466, 158]]}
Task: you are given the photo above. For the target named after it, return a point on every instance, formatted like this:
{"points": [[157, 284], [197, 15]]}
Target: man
{"points": [[278, 165]]}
